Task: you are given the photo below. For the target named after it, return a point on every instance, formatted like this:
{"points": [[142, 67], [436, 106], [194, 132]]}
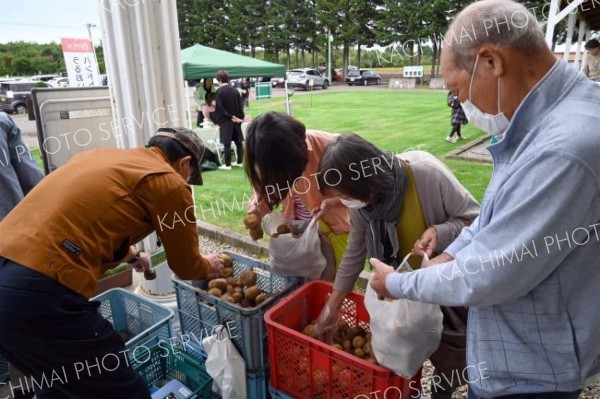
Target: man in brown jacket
{"points": [[80, 221]]}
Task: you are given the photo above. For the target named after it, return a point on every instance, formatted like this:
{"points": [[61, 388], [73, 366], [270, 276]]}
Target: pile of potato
{"points": [[241, 290], [252, 223], [355, 340]]}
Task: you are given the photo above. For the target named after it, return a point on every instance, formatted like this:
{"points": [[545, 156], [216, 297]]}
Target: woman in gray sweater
{"points": [[399, 204]]}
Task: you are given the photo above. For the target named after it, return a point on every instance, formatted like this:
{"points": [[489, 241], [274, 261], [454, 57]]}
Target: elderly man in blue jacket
{"points": [[529, 267]]}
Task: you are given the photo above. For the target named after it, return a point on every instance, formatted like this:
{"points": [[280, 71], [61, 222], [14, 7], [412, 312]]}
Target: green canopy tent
{"points": [[200, 61]]}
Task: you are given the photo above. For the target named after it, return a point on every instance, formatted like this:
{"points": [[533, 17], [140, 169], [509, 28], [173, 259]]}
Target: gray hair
{"points": [[502, 22]]}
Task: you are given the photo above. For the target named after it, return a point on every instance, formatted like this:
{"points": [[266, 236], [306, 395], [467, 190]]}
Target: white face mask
{"points": [[353, 204], [495, 125]]}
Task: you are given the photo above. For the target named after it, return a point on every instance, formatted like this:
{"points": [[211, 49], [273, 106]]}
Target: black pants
{"points": [[455, 129], [60, 342], [200, 118], [239, 148]]}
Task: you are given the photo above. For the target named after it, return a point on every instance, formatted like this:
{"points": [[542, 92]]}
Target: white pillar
{"points": [[569, 40], [141, 41], [582, 27]]}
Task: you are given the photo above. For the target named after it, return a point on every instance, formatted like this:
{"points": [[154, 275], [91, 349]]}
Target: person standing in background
{"points": [[200, 96], [458, 117], [245, 86], [229, 115]]}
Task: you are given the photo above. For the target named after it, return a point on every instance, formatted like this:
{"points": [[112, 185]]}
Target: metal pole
{"points": [[329, 57], [89, 27]]}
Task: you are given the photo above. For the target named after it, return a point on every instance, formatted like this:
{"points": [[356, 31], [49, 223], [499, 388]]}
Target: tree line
{"points": [[294, 32], [26, 59]]}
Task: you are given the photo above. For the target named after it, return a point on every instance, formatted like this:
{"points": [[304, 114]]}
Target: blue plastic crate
{"points": [[146, 322], [277, 394], [4, 370], [200, 313], [160, 364], [257, 384]]}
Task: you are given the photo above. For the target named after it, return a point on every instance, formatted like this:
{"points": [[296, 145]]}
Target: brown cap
{"points": [[191, 142]]}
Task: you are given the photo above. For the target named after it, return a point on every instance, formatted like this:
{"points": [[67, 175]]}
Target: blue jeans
{"points": [[59, 341], [545, 395]]}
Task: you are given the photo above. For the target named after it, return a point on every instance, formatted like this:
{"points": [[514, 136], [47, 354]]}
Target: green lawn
{"points": [[394, 121]]}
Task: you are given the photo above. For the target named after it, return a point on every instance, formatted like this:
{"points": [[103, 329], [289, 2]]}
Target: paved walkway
{"points": [[475, 151]]}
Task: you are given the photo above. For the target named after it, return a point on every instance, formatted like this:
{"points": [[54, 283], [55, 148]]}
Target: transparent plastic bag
{"points": [[297, 253], [404, 333]]}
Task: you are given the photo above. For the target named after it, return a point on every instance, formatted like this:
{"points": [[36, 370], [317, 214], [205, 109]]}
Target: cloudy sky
{"points": [[44, 21]]}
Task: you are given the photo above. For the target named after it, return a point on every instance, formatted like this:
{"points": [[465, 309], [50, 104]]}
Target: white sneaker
{"points": [[451, 140], [225, 167], [461, 137], [239, 165]]}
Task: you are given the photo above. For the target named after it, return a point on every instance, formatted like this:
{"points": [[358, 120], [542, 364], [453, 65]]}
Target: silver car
{"points": [[303, 77]]}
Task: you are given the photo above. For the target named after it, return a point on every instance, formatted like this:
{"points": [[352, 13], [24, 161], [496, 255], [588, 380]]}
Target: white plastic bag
{"points": [[295, 256], [225, 365], [404, 333]]}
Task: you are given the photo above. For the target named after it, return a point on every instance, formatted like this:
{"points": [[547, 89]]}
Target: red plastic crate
{"points": [[306, 368]]}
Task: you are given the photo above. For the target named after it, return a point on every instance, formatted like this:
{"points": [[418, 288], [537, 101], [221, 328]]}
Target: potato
{"points": [[359, 353], [256, 233], [358, 342], [261, 298], [274, 235], [215, 292], [338, 339], [237, 297], [372, 360], [251, 221], [231, 281], [355, 331], [228, 298], [283, 229], [226, 272], [368, 337], [367, 348], [125, 335], [246, 303], [252, 292], [343, 326], [321, 379], [219, 283], [230, 289], [309, 330], [248, 278], [227, 259], [347, 344], [239, 290], [338, 346]]}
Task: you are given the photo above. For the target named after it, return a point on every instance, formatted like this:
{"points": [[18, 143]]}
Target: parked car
{"points": [[302, 78], [362, 77], [44, 78], [278, 82], [58, 82], [14, 95]]}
